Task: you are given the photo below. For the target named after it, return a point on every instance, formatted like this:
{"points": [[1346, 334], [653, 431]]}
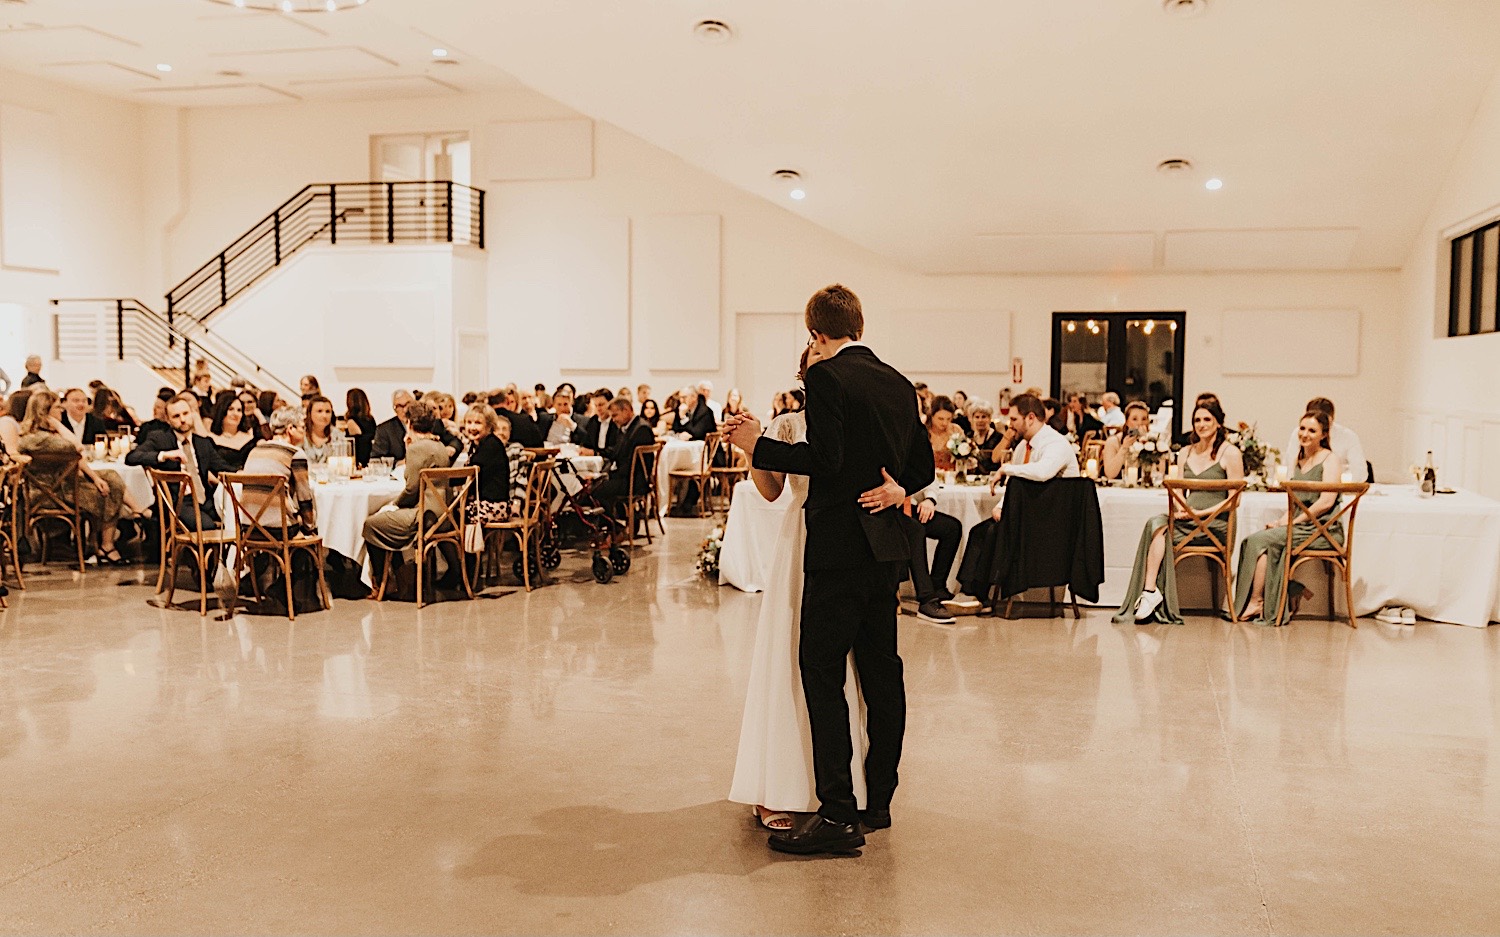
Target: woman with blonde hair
{"points": [[484, 449], [100, 499]]}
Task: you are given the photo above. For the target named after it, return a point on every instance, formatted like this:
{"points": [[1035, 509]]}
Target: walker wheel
{"points": [[620, 560], [603, 572], [520, 570], [551, 557]]}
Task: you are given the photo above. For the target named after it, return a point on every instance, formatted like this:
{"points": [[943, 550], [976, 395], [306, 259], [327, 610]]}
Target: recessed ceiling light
{"points": [[440, 53], [1214, 185], [332, 6], [286, 6], [797, 194], [713, 32], [163, 67]]}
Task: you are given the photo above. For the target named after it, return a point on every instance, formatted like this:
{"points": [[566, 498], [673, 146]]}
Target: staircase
{"points": [[333, 213]]}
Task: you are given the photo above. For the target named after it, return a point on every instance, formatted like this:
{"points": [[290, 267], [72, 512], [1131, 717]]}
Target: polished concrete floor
{"points": [[557, 763]]}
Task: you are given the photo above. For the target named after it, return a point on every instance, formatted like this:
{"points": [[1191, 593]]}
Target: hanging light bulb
{"points": [[1072, 326], [1149, 327]]}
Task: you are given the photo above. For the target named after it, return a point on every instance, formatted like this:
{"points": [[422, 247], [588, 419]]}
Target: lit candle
{"points": [[99, 444], [1346, 477], [1092, 468], [1132, 474], [1174, 470], [1280, 474]]}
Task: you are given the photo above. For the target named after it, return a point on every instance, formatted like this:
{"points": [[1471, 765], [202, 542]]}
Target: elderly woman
{"points": [[992, 448], [394, 526], [483, 448], [282, 455], [103, 493]]}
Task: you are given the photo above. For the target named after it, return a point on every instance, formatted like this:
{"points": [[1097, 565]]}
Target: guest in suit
{"points": [[78, 423], [229, 432], [112, 412], [1116, 447], [158, 413], [484, 448], [101, 494], [178, 449], [694, 420], [562, 425], [359, 424], [393, 528], [33, 371], [524, 428], [634, 433], [599, 434], [390, 436]]}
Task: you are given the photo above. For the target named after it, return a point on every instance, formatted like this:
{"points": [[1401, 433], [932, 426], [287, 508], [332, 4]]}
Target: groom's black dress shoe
{"points": [[872, 820], [816, 834]]}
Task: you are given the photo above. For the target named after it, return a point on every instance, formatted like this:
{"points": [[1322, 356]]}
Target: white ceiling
{"points": [[952, 135]]}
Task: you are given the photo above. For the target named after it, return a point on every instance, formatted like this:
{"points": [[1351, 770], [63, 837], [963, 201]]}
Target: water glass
{"points": [[319, 472]]}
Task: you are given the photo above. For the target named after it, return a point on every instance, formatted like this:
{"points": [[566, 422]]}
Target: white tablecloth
{"points": [[1439, 556], [751, 535], [134, 476], [678, 455]]}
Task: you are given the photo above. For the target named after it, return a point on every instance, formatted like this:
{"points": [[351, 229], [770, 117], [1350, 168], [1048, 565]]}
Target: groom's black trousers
{"points": [[843, 610]]}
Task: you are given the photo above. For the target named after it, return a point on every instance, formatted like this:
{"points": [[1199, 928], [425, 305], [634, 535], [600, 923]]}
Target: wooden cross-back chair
{"points": [[1338, 557], [736, 468], [645, 505], [454, 486], [1216, 550], [53, 481], [10, 515], [176, 537], [530, 523], [701, 476], [278, 539]]}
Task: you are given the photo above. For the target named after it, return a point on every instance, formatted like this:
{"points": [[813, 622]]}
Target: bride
{"points": [[774, 769]]}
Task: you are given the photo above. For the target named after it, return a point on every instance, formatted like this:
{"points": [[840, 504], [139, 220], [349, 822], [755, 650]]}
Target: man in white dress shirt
{"points": [[78, 423], [1110, 413], [1341, 439], [1043, 454], [707, 390]]}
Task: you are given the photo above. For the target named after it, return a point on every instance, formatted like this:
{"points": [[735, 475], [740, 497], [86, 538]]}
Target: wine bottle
{"points": [[1429, 477]]}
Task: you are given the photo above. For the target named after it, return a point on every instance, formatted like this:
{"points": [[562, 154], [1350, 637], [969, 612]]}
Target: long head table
{"points": [[1439, 555]]}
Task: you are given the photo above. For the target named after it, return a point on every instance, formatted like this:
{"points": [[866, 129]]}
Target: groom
{"points": [[862, 429]]}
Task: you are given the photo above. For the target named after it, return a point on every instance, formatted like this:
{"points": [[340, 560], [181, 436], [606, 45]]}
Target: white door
{"points": [[768, 346]]}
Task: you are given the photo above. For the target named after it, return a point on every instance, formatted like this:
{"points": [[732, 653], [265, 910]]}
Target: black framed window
{"points": [[1138, 355], [1474, 282]]}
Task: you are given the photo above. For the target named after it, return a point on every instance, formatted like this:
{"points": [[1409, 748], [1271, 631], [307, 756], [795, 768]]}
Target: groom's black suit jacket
{"points": [[861, 418]]}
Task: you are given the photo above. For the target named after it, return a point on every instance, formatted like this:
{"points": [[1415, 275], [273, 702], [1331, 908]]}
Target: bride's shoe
{"points": [[773, 820]]}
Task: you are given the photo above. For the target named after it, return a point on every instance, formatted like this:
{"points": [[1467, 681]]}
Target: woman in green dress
{"points": [[1152, 593], [1263, 558]]}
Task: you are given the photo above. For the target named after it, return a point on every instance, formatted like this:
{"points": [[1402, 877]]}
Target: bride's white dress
{"points": [[774, 768]]}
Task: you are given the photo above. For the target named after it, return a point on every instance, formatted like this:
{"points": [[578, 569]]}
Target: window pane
{"points": [[1148, 361], [1083, 357], [1488, 285], [1465, 278]]}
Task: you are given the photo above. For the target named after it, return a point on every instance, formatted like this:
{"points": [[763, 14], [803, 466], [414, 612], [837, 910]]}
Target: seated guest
{"points": [[252, 419], [266, 403], [359, 424], [924, 399], [599, 434], [490, 501], [523, 425], [320, 432], [634, 433], [179, 449], [282, 455], [394, 527], [1055, 417], [10, 422], [961, 416], [669, 413], [940, 432], [520, 460], [562, 426], [643, 394], [230, 434], [706, 391], [308, 387], [202, 389], [1343, 440], [1189, 437], [446, 408], [1117, 446], [112, 412], [158, 413], [1079, 419], [1041, 454], [1152, 593], [33, 371], [78, 423], [1263, 561], [651, 413], [734, 404], [1110, 413], [990, 447], [930, 580], [101, 495], [695, 419], [390, 436]]}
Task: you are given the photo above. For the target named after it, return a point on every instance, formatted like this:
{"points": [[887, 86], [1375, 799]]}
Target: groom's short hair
{"points": [[1029, 404], [834, 312]]}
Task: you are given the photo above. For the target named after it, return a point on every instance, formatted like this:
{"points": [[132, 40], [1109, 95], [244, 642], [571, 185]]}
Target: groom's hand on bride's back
{"points": [[887, 495]]}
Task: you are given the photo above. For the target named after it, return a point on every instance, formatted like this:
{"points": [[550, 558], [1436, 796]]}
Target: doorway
{"points": [[1138, 355], [424, 157]]}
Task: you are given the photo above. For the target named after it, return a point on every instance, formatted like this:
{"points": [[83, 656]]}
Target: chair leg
{"points": [[1009, 603], [161, 570], [385, 574], [1052, 601], [1328, 565], [1349, 597], [463, 566], [323, 593], [1073, 599], [525, 544], [286, 574], [239, 576], [200, 557], [78, 533], [421, 558], [172, 573]]}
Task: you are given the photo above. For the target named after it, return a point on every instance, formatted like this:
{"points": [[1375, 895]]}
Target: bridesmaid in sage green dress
{"points": [[1209, 457], [1263, 559]]}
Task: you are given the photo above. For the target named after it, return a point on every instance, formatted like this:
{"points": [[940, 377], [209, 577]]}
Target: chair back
{"points": [[538, 493], [168, 487], [542, 452], [452, 487], [1350, 492], [250, 519], [643, 464], [711, 445], [1044, 537], [1091, 449], [1178, 508], [52, 481]]}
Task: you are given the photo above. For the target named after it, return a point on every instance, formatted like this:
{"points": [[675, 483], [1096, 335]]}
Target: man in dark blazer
{"points": [[77, 419], [597, 428], [865, 450], [634, 433], [390, 436], [699, 421], [179, 450]]}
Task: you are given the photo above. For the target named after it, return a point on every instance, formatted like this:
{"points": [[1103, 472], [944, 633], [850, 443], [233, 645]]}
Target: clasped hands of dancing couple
{"points": [[825, 708]]}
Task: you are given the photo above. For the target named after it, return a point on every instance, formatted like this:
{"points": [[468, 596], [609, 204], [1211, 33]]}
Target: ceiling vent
{"points": [[1174, 167], [787, 176], [1184, 8], [713, 32]]}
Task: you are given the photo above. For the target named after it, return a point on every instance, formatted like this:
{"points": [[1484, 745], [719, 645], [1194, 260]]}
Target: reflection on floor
{"points": [[556, 763]]}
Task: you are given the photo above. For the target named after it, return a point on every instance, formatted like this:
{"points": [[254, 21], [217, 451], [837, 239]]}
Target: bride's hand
{"points": [[887, 495]]}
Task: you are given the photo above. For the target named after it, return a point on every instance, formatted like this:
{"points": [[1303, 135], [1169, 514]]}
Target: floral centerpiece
{"points": [[964, 456], [708, 554], [1148, 452], [1257, 456]]}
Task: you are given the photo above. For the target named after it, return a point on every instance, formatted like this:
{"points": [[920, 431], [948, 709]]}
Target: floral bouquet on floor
{"points": [[708, 554], [965, 456], [1257, 456]]}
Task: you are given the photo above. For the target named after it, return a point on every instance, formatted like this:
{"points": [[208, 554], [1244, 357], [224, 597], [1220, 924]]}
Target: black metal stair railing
{"points": [[424, 212]]}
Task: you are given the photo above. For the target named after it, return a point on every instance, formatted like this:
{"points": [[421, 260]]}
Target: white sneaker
{"points": [[1408, 616], [1147, 604], [1390, 615], [963, 600]]}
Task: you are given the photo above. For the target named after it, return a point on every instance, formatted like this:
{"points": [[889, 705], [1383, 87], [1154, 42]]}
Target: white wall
{"points": [[97, 146], [1450, 399], [234, 164]]}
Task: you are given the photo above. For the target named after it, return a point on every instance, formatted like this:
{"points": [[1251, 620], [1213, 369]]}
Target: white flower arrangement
{"points": [[708, 554], [963, 452]]}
